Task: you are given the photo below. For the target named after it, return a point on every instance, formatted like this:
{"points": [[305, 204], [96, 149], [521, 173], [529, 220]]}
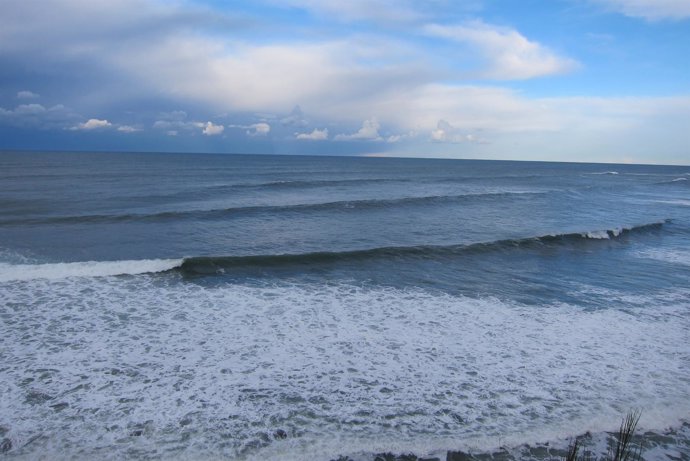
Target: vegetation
{"points": [[622, 449]]}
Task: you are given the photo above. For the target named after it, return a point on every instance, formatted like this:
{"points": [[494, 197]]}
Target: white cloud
{"points": [[508, 53], [92, 124], [651, 10], [445, 132], [469, 107], [368, 132], [256, 129], [316, 135], [27, 95], [442, 132], [175, 121], [394, 138], [128, 129], [212, 130], [171, 133], [259, 129]]}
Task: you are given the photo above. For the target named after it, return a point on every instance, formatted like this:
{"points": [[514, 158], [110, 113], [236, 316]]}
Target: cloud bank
{"points": [[407, 77], [316, 135], [509, 54]]}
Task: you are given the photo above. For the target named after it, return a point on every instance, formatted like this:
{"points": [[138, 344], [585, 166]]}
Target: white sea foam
{"points": [[676, 256], [10, 272], [674, 202], [603, 234], [157, 367]]}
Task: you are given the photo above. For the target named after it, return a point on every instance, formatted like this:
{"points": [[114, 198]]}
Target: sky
{"points": [[558, 80]]}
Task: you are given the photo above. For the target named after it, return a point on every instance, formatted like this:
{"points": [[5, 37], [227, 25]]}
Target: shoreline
{"points": [[670, 444]]}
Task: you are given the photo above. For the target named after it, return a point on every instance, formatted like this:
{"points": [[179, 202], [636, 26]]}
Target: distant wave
{"points": [[678, 181], [604, 173], [258, 209], [16, 272], [215, 189]]}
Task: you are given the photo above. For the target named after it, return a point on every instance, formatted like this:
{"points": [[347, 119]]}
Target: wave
{"points": [[217, 213], [19, 272], [207, 265], [215, 189], [612, 173], [675, 181], [211, 265]]}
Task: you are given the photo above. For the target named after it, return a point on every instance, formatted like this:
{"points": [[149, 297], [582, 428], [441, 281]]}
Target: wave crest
{"points": [[18, 272], [251, 210], [210, 265]]}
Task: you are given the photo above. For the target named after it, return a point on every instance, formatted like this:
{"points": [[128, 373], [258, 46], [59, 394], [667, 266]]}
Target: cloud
{"points": [[296, 118], [469, 107], [29, 109], [27, 95], [510, 55], [176, 115], [259, 129], [368, 132], [340, 78], [395, 138], [212, 130], [146, 56], [263, 78], [379, 11], [92, 124], [175, 121], [445, 132], [38, 116], [441, 132], [651, 10], [171, 133], [128, 129], [316, 135], [255, 129]]}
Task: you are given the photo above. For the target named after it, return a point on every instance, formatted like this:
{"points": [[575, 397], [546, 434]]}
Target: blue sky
{"points": [[571, 80]]}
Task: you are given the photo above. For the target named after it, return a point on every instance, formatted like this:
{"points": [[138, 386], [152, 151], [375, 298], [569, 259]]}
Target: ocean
{"points": [[189, 306]]}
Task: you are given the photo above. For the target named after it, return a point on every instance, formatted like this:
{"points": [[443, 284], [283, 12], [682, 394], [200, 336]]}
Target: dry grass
{"points": [[622, 450]]}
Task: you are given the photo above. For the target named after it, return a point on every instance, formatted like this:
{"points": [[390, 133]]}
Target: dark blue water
{"points": [[165, 305]]}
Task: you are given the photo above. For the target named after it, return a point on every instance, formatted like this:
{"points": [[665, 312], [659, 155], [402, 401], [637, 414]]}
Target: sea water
{"points": [[188, 306]]}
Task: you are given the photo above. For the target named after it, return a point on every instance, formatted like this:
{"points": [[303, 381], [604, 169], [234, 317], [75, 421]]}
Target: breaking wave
{"points": [[16, 272], [208, 265], [219, 264]]}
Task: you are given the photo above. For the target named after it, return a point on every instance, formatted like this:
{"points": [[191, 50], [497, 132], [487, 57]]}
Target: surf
{"points": [[207, 265], [53, 271]]}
